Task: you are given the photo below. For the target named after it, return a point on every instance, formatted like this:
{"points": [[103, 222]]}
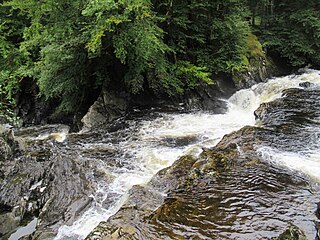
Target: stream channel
{"points": [[133, 149]]}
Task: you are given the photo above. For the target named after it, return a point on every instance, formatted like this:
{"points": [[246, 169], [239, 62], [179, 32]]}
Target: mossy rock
{"points": [[19, 179], [254, 48], [217, 160], [292, 233]]}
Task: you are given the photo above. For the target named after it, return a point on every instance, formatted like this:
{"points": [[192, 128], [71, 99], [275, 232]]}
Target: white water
{"points": [[305, 161], [151, 147]]}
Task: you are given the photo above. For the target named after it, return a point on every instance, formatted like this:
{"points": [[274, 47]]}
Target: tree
{"points": [[12, 60], [73, 48], [293, 32]]}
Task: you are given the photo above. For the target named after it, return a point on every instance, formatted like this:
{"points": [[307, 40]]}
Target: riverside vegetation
{"points": [[70, 49]]}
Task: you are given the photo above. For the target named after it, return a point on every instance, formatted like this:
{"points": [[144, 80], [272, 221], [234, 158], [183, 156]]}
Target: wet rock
{"points": [[187, 194], [294, 110], [44, 234], [179, 141], [259, 70], [5, 150], [41, 180], [171, 177], [7, 143], [108, 107], [66, 193], [292, 233], [306, 84], [318, 211], [318, 231], [142, 202], [207, 98]]}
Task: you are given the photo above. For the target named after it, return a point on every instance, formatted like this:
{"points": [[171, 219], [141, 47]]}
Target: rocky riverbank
{"points": [[39, 180]]}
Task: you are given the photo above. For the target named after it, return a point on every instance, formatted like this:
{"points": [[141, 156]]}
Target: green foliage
{"points": [[293, 32], [12, 62], [193, 73], [55, 41], [209, 34], [73, 47], [139, 45], [184, 75], [61, 71]]}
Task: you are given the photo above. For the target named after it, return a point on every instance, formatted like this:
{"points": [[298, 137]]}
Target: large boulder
{"points": [[108, 107], [259, 66]]}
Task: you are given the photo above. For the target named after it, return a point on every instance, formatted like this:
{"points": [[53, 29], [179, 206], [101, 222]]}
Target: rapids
{"points": [[138, 146]]}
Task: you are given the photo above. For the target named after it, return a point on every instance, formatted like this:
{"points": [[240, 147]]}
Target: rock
{"points": [[66, 195], [42, 180], [306, 84], [318, 231], [108, 107], [259, 66], [295, 109], [8, 223], [169, 177], [292, 233], [5, 150], [258, 71], [44, 234], [142, 202], [208, 98], [7, 143]]}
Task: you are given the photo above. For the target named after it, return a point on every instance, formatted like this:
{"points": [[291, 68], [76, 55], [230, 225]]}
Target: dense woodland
{"points": [[71, 49]]}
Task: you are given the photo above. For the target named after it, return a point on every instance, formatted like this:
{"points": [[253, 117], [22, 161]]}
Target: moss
{"points": [[254, 58], [254, 47], [253, 162], [18, 179], [216, 162]]}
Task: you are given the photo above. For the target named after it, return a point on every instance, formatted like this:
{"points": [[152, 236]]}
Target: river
{"points": [[65, 183], [153, 140]]}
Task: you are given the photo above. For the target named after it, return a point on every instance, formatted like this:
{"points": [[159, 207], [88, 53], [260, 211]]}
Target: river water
{"points": [[137, 147]]}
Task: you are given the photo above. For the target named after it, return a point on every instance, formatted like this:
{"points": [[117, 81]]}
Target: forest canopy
{"points": [[70, 48]]}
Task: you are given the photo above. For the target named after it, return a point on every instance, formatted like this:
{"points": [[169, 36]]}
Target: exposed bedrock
{"points": [[230, 191], [39, 179]]}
